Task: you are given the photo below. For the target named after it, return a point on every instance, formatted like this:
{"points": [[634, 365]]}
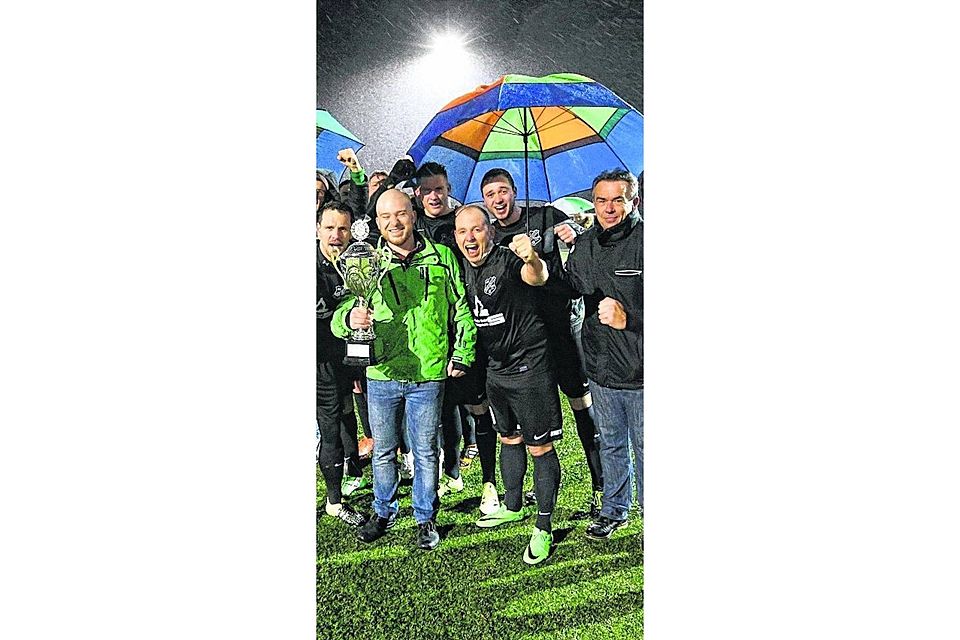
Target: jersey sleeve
{"points": [[338, 323], [577, 270], [556, 216]]}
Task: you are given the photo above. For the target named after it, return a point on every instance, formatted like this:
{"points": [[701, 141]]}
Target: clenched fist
{"points": [[521, 246], [349, 159], [360, 318], [565, 232], [611, 313]]}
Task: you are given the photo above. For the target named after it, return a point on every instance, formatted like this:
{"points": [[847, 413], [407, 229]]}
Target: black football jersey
{"points": [[330, 291], [510, 330], [553, 299], [440, 230]]}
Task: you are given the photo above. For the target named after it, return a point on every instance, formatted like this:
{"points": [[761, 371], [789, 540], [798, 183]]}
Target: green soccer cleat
{"points": [[539, 547], [352, 484], [502, 516], [450, 485]]}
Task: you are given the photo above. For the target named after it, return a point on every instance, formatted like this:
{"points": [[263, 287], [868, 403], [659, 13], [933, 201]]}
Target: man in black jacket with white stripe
{"points": [[606, 267]]}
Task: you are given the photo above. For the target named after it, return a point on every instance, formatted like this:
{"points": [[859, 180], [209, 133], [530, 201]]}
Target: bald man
{"points": [[420, 308], [501, 284]]}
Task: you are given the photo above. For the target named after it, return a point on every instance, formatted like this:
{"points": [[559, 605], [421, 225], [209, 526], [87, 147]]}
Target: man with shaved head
{"points": [[420, 295], [521, 385]]}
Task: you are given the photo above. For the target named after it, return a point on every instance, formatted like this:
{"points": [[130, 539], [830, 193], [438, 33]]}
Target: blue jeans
{"points": [[388, 403], [618, 415]]}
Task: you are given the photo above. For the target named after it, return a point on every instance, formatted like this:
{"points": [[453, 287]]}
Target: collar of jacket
{"points": [[419, 244], [619, 231], [322, 260]]}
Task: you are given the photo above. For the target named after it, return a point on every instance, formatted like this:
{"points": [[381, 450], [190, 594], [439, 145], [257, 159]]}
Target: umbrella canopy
{"points": [[554, 134], [331, 138]]}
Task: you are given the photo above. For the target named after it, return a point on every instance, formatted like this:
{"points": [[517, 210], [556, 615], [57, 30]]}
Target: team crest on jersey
{"points": [[490, 285], [339, 292], [535, 237]]}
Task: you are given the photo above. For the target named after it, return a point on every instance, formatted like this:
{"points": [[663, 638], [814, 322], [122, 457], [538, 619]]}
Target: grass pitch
{"points": [[475, 584]]}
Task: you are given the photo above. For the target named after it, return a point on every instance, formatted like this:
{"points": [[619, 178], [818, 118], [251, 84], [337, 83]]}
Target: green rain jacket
{"points": [[419, 299]]}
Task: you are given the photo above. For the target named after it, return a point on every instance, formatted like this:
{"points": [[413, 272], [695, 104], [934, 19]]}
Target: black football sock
{"points": [[587, 432], [361, 399], [513, 466], [487, 446], [333, 476], [348, 436], [546, 483]]}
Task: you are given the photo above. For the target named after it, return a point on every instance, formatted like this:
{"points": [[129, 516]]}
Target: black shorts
{"points": [[528, 406], [470, 388], [333, 384], [566, 362]]}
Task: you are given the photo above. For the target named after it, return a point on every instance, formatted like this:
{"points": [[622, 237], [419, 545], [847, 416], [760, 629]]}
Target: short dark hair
{"points": [[496, 173], [428, 169], [618, 175], [342, 207]]}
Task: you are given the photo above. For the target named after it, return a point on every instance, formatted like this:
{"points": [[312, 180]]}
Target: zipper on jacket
{"points": [[393, 285], [424, 273]]}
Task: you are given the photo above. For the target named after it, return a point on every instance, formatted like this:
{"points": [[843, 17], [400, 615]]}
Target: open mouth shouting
{"points": [[472, 251]]}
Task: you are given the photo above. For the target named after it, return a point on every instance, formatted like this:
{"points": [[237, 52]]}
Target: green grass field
{"points": [[474, 584]]}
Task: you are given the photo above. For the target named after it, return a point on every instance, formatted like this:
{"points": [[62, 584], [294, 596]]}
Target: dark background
{"points": [[375, 76]]}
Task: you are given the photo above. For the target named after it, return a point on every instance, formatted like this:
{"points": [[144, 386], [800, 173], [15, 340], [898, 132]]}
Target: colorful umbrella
{"points": [[554, 134], [331, 138]]}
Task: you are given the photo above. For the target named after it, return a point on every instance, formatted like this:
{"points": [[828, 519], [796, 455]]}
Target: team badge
{"points": [[535, 237], [490, 285], [339, 292]]}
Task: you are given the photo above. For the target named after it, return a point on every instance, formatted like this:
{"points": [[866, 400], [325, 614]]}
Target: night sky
{"points": [[377, 75]]}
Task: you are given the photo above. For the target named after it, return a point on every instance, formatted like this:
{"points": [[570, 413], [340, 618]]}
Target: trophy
{"points": [[362, 268]]}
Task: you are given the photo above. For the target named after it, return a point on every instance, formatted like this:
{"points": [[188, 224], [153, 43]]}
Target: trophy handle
{"points": [[384, 254], [336, 266]]}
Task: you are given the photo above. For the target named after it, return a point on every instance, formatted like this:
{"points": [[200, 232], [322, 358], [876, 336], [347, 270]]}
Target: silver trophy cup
{"points": [[362, 268]]}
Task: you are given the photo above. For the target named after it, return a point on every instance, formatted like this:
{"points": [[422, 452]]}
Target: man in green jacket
{"points": [[420, 295]]}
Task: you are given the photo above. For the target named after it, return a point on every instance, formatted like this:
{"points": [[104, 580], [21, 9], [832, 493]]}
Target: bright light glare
{"points": [[448, 43], [447, 56]]}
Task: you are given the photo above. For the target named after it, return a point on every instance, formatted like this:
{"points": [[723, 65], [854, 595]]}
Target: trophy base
{"points": [[359, 353]]}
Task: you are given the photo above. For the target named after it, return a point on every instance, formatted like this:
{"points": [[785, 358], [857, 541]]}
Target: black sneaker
{"points": [[593, 509], [427, 536], [351, 517], [603, 528], [375, 528]]}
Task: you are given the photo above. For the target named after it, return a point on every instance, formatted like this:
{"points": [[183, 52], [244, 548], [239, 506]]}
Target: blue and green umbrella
{"points": [[331, 138]]}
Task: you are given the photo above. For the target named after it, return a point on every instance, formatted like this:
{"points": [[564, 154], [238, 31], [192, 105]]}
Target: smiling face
{"points": [[434, 192], [474, 235], [611, 202], [500, 200], [395, 218], [333, 232]]}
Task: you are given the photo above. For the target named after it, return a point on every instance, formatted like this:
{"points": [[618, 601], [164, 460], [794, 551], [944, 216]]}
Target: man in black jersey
{"points": [[558, 304], [437, 223], [500, 285], [336, 421]]}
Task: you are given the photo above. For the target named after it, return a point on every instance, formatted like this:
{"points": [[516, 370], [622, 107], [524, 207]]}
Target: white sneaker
{"points": [[406, 465], [450, 485], [489, 500]]}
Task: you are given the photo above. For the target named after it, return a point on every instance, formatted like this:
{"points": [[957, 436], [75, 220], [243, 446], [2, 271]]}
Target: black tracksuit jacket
{"points": [[609, 263]]}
